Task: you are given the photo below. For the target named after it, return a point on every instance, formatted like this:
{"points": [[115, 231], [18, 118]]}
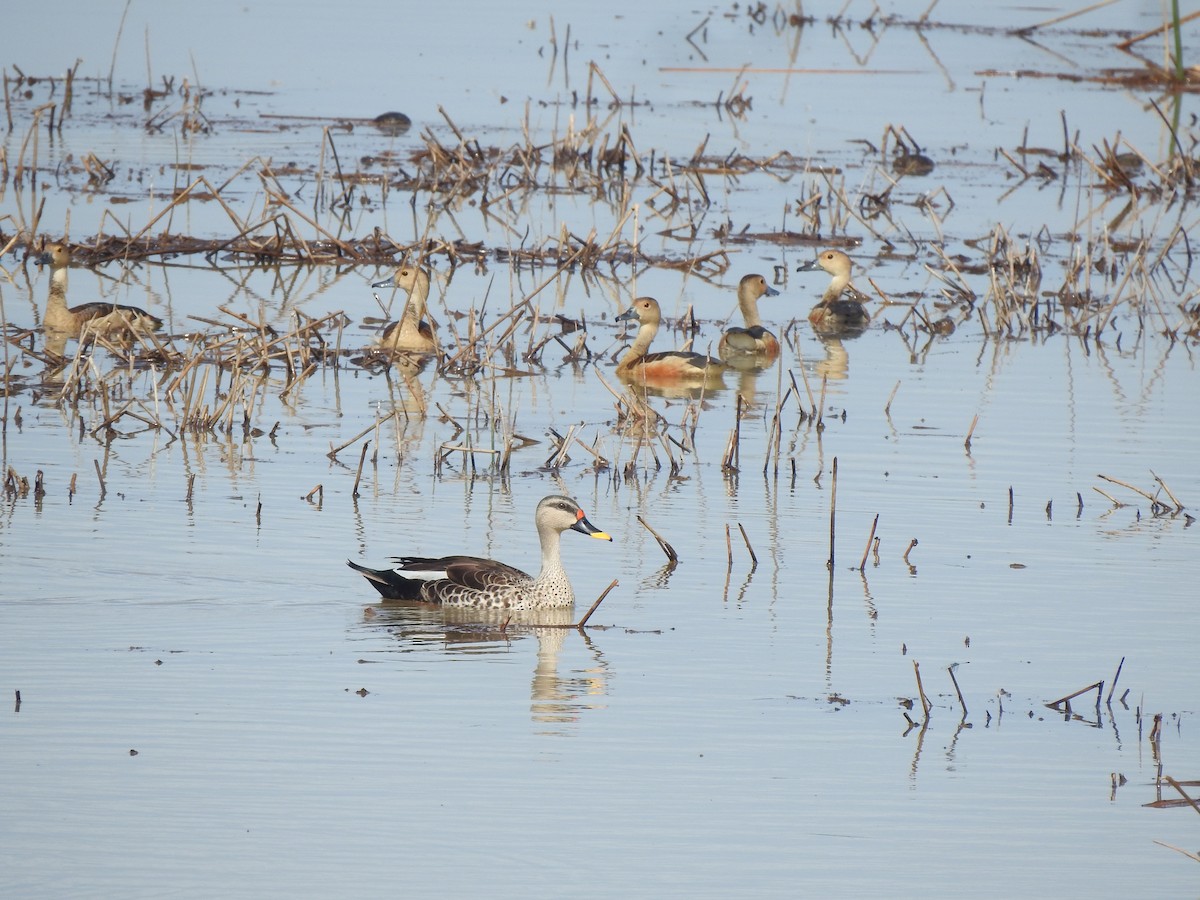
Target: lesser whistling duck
{"points": [[99, 316], [841, 308], [469, 581], [753, 339], [668, 366], [410, 331]]}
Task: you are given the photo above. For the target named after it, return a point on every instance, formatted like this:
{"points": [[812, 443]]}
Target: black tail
{"points": [[390, 584]]}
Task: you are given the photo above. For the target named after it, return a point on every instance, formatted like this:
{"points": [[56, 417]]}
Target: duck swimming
{"points": [[668, 366], [841, 308], [753, 339], [100, 317], [411, 331], [470, 581]]}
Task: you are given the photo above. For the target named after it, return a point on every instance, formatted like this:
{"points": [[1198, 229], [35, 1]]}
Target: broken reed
{"points": [[210, 383], [1015, 302], [601, 158]]}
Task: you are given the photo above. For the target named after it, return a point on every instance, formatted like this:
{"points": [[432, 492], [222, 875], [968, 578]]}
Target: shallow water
{"points": [[729, 728]]}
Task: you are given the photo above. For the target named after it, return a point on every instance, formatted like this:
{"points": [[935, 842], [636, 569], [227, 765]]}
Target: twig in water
{"points": [[1077, 12], [319, 490], [925, 704], [911, 544], [733, 449], [1112, 687], [963, 702], [334, 451], [1098, 687], [1163, 485], [1124, 484], [887, 409], [596, 605], [100, 477], [971, 431], [753, 558], [1179, 850], [362, 457], [601, 461], [862, 566], [1175, 784], [672, 556], [832, 516]]}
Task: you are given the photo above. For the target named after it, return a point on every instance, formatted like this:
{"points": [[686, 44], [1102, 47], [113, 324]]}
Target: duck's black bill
{"points": [[583, 526]]}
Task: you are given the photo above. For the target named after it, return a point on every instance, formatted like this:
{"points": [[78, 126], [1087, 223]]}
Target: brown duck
{"points": [[841, 310], [410, 332], [753, 339], [669, 367], [100, 317]]}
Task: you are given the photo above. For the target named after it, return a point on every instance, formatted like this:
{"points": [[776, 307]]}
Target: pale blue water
{"points": [[295, 737]]}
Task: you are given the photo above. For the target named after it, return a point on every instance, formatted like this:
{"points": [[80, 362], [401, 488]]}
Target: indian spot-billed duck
{"points": [[469, 581]]}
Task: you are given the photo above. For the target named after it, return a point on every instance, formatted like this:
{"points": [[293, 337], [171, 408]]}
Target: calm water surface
{"points": [[730, 729]]}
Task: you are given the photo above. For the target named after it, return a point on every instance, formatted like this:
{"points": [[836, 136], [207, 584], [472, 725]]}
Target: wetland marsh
{"points": [[207, 700]]}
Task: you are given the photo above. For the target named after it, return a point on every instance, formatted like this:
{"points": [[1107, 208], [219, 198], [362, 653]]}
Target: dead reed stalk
{"points": [[672, 556], [862, 566], [746, 539], [1113, 686], [957, 690], [926, 706], [832, 515], [362, 458], [582, 622], [1063, 704]]}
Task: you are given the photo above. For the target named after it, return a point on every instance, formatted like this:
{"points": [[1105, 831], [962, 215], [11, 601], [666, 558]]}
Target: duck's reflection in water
{"points": [[835, 366], [557, 697]]}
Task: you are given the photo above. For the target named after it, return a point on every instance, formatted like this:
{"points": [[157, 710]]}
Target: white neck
{"points": [[836, 286]]}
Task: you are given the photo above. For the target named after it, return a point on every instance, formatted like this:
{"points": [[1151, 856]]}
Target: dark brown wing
{"points": [[472, 572], [696, 360], [484, 574], [130, 316], [88, 311]]}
